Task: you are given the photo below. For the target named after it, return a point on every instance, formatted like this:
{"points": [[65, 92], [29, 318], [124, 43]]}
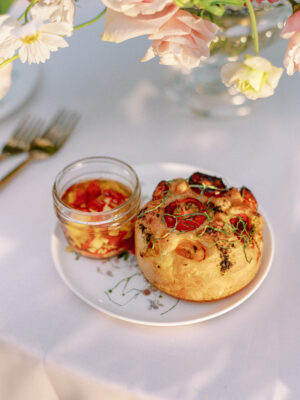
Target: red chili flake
{"points": [[116, 240], [93, 190], [95, 205], [86, 245], [117, 198], [80, 198], [146, 292]]}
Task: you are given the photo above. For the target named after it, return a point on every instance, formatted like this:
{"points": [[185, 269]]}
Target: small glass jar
{"points": [[98, 234]]}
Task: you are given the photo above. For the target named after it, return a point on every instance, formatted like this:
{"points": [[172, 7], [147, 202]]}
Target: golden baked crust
{"points": [[199, 240]]}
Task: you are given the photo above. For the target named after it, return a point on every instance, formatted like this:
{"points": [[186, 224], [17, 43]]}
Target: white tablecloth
{"points": [[54, 346]]}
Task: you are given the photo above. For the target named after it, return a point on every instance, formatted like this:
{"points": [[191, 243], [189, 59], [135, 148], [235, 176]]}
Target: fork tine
{"points": [[27, 129], [68, 129], [51, 131], [61, 127], [33, 129], [57, 117], [21, 127]]}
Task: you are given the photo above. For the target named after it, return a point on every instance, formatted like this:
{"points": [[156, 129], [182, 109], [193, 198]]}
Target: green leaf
{"points": [[237, 3], [5, 6], [124, 255], [215, 7], [208, 5]]}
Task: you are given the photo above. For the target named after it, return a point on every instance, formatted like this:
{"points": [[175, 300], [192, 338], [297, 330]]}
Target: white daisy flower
{"points": [[33, 40], [64, 12], [7, 24]]}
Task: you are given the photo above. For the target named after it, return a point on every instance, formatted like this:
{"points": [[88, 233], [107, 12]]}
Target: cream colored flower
{"points": [[64, 10], [34, 40], [256, 77], [5, 78]]}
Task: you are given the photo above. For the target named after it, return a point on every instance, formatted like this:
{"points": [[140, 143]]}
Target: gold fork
{"points": [[49, 143], [28, 128]]}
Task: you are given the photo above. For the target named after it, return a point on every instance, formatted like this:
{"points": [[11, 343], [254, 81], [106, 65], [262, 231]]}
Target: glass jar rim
{"points": [[135, 191]]}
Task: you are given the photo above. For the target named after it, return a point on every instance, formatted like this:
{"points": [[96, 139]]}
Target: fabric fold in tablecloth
{"points": [[25, 377]]}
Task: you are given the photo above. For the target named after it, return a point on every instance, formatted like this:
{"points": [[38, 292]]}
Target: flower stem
{"points": [[254, 26], [21, 16], [9, 60], [91, 21], [27, 10]]}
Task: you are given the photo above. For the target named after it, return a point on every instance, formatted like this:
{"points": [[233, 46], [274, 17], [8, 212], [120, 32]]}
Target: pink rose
{"points": [[270, 1], [132, 8], [183, 40], [120, 27], [292, 31], [178, 36]]}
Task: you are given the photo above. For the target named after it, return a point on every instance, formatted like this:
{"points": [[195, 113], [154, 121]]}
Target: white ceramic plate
{"points": [[117, 287]]}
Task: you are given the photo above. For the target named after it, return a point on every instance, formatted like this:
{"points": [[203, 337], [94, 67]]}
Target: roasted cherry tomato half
{"points": [[198, 178], [160, 191], [185, 214], [248, 198], [242, 225]]}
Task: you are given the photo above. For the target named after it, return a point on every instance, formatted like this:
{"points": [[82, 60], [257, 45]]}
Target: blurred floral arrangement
{"points": [[181, 32]]}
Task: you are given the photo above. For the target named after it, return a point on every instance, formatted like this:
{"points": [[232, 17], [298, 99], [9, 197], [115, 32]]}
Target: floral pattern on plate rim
{"points": [[124, 290]]}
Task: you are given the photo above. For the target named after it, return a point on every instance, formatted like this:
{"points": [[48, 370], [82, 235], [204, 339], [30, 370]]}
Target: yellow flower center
{"points": [[255, 83], [30, 38], [243, 85]]}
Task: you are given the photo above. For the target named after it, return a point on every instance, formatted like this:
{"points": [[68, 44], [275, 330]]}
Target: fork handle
{"points": [[3, 156], [4, 181]]}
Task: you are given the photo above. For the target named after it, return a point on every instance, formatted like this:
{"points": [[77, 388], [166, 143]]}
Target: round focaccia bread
{"points": [[199, 240]]}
